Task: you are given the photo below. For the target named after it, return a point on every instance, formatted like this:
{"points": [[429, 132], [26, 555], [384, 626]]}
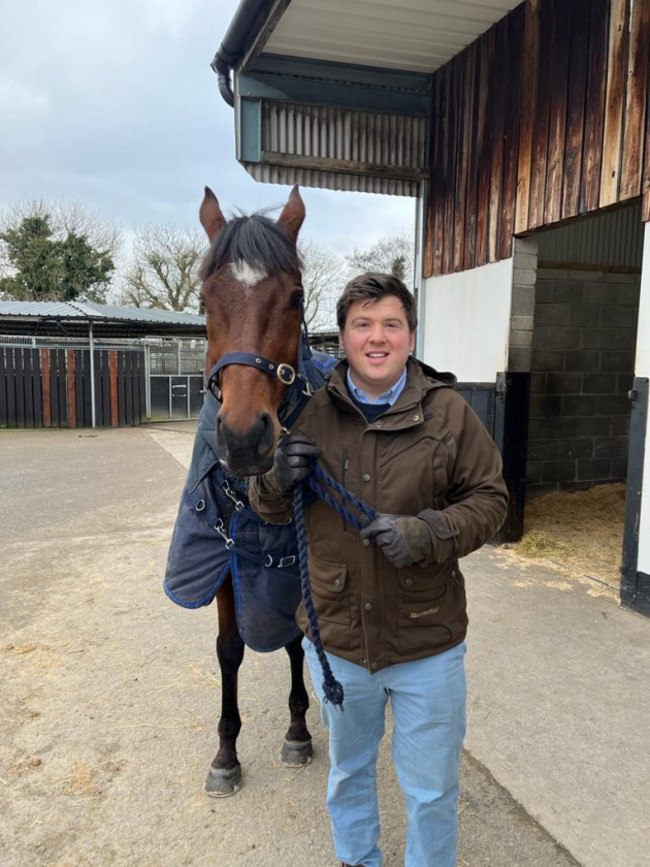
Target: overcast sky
{"points": [[113, 103]]}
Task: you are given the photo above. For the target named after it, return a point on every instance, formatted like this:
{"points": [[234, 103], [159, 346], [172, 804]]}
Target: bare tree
{"points": [[323, 276], [163, 273], [391, 255]]}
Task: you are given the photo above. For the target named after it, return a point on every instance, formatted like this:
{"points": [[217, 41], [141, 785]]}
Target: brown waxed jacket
{"points": [[427, 455]]}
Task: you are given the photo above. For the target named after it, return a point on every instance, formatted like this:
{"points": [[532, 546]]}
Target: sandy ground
{"points": [[109, 697]]}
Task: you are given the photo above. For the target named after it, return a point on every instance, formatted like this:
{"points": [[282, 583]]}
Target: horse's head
{"points": [[252, 295]]}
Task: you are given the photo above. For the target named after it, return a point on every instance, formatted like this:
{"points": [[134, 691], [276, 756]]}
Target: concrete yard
{"points": [[109, 696]]}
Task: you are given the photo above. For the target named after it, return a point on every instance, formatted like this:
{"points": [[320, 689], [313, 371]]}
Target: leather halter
{"points": [[281, 370]]}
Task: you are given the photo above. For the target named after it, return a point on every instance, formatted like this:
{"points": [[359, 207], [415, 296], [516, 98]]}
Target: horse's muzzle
{"points": [[248, 453]]}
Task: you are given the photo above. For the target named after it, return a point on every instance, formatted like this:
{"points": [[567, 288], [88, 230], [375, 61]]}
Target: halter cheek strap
{"points": [[282, 371]]}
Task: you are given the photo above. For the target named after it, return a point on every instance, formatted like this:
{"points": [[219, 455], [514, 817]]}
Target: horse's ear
{"points": [[210, 215], [293, 214]]}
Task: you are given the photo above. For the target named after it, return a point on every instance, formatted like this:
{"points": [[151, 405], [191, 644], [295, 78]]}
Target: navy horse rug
{"points": [[216, 533]]}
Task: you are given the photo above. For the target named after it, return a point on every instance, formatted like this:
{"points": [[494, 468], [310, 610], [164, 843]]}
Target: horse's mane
{"points": [[256, 240]]}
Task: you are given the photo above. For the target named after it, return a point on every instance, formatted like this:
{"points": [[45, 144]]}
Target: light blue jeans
{"points": [[427, 700]]}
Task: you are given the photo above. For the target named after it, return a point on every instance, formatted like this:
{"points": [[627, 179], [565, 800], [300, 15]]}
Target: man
{"points": [[391, 600]]}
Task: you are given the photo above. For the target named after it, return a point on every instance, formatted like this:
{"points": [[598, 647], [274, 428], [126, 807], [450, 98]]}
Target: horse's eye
{"points": [[296, 299], [201, 307]]}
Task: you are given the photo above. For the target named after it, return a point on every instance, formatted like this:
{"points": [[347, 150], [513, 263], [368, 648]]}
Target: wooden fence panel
{"points": [[576, 97], [497, 124], [594, 106], [71, 391], [542, 118], [614, 101], [528, 105], [4, 381], [82, 387], [539, 156], [453, 133], [484, 147], [471, 158], [116, 389], [511, 133], [51, 387], [635, 102], [462, 164], [58, 388], [559, 82]]}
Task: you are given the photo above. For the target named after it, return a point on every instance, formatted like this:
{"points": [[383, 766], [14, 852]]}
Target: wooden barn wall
{"points": [[543, 118]]}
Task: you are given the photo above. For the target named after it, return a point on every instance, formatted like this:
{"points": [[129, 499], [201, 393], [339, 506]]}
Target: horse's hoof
{"points": [[296, 754], [223, 782]]}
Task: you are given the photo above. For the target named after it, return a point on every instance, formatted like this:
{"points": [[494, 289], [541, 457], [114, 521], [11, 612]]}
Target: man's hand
{"points": [[404, 540], [291, 461]]}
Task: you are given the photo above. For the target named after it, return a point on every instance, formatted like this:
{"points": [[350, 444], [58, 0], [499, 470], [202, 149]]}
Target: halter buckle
{"points": [[286, 374]]}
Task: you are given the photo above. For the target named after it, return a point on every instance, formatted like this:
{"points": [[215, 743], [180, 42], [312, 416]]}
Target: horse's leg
{"points": [[297, 748], [224, 776]]}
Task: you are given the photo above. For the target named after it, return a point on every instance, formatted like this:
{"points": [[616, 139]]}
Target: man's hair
{"points": [[372, 287]]}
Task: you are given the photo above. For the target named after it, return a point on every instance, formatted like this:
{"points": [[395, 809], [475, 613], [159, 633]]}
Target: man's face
{"points": [[377, 342]]}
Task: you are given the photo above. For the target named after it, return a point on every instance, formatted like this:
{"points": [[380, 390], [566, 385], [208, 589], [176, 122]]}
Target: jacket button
{"points": [[453, 573], [373, 665], [368, 606], [408, 582], [366, 543], [337, 582], [366, 477]]}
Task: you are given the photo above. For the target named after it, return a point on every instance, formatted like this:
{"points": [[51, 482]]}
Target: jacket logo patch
{"points": [[415, 614]]}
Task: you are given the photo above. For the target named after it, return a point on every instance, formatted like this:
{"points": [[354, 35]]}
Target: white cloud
{"points": [[112, 102]]}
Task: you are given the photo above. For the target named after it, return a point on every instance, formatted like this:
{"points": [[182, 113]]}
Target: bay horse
{"points": [[253, 301]]}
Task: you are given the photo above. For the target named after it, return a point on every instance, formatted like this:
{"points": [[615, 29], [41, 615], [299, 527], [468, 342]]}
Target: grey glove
{"points": [[403, 539], [291, 461]]}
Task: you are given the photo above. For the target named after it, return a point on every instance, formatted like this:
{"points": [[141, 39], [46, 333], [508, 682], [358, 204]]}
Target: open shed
{"points": [[79, 364], [523, 130]]}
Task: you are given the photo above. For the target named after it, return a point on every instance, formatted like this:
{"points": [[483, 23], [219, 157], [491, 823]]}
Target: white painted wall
{"points": [[642, 368], [466, 321]]}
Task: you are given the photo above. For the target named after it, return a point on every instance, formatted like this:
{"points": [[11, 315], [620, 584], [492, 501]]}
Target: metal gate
{"points": [[176, 379]]}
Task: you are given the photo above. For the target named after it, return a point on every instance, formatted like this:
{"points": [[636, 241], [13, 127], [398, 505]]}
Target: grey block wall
{"points": [[582, 365]]}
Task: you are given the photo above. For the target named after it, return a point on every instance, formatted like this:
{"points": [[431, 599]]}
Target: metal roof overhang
{"points": [[62, 320], [337, 94], [61, 327]]}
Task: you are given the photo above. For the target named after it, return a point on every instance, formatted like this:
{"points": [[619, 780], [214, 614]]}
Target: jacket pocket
{"points": [[329, 589], [431, 618]]}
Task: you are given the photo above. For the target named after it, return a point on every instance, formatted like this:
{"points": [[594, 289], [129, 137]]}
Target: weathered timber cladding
{"points": [[51, 387], [543, 118]]}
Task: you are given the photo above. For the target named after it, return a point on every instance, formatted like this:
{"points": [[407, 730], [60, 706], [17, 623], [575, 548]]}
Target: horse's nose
{"points": [[247, 452], [267, 435]]}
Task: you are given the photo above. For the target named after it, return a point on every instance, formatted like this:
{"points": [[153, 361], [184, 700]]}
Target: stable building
{"points": [[523, 132], [80, 364]]}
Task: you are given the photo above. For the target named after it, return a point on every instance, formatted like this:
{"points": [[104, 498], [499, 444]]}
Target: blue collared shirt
{"points": [[388, 397]]}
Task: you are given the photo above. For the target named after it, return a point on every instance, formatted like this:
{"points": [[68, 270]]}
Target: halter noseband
{"points": [[282, 371]]}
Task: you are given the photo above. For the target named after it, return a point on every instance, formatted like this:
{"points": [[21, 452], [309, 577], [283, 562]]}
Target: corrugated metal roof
{"points": [[419, 35], [391, 148], [613, 238], [87, 310], [72, 318]]}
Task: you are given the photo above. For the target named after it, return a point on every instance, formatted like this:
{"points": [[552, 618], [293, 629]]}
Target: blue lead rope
{"points": [[332, 689]]}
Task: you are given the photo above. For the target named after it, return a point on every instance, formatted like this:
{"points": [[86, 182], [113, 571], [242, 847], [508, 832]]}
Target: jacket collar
{"points": [[420, 379]]}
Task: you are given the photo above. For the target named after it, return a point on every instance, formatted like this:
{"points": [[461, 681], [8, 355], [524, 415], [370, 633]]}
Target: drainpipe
{"points": [[232, 48]]}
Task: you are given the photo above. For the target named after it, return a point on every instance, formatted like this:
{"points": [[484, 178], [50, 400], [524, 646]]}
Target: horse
{"points": [[253, 301]]}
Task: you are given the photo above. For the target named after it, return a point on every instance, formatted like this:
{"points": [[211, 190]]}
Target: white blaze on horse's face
{"points": [[247, 275]]}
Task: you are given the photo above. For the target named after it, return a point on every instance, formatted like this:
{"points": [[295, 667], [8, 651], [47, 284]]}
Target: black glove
{"points": [[403, 539], [293, 454]]}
